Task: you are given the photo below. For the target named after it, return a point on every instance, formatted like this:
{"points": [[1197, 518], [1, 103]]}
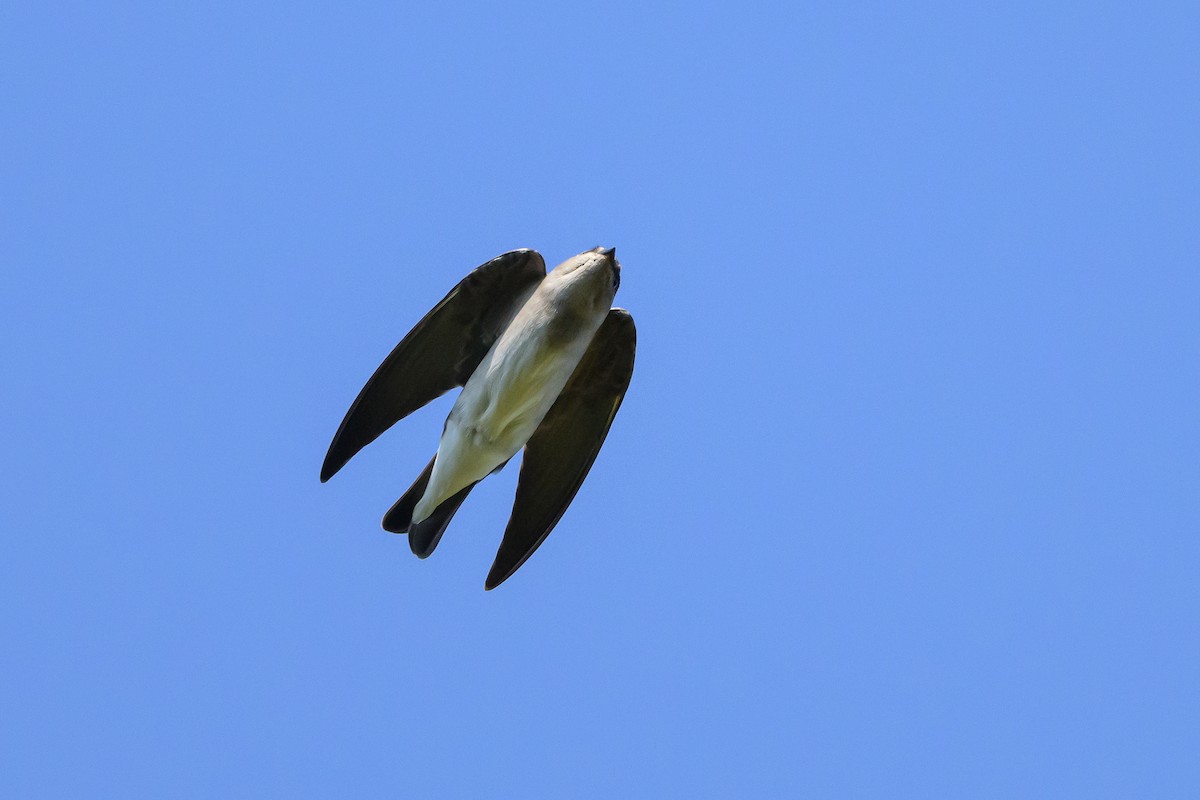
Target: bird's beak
{"points": [[611, 254]]}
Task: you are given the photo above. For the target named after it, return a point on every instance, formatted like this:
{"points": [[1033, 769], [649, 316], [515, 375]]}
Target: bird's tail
{"points": [[423, 537]]}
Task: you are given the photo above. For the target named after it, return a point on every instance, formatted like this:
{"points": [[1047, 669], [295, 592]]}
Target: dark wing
{"points": [[562, 449], [438, 354]]}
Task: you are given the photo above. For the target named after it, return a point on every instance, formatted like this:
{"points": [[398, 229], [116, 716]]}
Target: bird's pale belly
{"points": [[512, 398], [498, 410]]}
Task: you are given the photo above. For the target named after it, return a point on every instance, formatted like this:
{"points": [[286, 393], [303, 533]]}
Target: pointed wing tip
{"points": [[331, 465], [504, 568]]}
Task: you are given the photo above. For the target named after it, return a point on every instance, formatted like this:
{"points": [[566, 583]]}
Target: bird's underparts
{"points": [[543, 361]]}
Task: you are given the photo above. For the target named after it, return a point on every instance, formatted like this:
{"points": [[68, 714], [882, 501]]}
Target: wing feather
{"points": [[561, 451], [438, 354]]}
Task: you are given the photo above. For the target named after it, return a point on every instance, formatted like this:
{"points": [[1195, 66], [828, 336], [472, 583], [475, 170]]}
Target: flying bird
{"points": [[543, 361]]}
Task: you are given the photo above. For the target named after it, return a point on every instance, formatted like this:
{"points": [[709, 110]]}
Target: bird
{"points": [[544, 362]]}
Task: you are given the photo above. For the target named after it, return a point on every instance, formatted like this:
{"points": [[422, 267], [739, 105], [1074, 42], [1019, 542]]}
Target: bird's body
{"points": [[544, 362], [516, 383]]}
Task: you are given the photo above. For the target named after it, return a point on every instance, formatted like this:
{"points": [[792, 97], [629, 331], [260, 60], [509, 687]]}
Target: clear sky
{"points": [[903, 499]]}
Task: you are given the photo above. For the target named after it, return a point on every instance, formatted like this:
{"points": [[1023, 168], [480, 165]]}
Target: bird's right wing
{"points": [[439, 353], [561, 451]]}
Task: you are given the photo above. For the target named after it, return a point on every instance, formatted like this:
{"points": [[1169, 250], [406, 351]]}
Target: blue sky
{"points": [[903, 499]]}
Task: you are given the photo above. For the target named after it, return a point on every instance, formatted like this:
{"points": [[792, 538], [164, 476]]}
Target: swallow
{"points": [[544, 361]]}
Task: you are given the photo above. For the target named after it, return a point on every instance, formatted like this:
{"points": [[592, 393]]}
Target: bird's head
{"points": [[590, 278]]}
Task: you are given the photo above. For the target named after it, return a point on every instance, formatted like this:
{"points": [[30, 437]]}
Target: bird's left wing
{"points": [[438, 354], [561, 451]]}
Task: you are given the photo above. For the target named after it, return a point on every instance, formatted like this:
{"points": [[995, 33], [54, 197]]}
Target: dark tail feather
{"points": [[422, 537], [399, 516], [425, 535]]}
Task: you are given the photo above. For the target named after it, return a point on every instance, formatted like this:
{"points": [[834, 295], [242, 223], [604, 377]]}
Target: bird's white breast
{"points": [[508, 395], [519, 379]]}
